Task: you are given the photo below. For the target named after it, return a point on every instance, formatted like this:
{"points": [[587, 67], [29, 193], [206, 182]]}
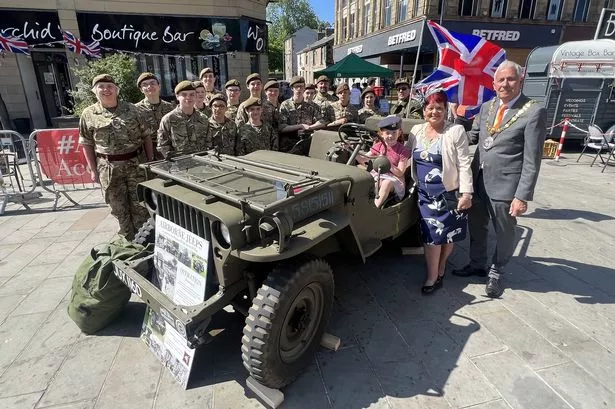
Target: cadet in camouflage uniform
{"points": [[233, 92], [309, 93], [184, 129], [297, 115], [199, 101], [368, 96], [405, 107], [256, 134], [344, 112], [255, 86], [222, 131], [323, 99], [208, 79], [152, 107], [271, 104], [115, 139]]}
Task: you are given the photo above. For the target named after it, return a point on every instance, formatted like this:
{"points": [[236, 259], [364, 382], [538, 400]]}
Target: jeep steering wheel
{"points": [[359, 136]]}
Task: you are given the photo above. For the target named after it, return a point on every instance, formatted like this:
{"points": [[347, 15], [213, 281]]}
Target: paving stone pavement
{"points": [[547, 343]]}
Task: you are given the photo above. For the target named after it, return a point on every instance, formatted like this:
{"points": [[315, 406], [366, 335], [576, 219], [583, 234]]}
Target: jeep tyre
{"points": [[286, 322], [146, 233]]}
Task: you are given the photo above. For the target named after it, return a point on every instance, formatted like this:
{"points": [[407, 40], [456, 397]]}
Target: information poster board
{"points": [[180, 261]]}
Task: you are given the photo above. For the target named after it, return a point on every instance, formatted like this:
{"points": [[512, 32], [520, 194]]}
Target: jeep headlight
{"points": [[222, 233]]}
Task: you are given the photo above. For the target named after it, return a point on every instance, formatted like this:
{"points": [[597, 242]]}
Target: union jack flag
{"points": [[77, 46], [13, 44], [466, 67]]}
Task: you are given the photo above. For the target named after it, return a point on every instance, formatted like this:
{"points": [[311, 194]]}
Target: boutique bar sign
{"points": [[172, 34]]}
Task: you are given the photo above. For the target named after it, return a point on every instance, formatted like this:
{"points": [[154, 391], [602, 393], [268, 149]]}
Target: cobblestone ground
{"points": [[546, 344]]}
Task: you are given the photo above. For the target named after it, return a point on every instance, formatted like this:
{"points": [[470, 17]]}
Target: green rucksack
{"points": [[98, 296]]}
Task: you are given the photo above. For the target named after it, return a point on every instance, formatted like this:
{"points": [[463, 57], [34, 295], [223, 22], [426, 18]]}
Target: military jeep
{"points": [[270, 219]]}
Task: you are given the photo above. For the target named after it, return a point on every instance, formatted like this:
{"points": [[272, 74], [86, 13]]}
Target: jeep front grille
{"points": [[183, 215]]}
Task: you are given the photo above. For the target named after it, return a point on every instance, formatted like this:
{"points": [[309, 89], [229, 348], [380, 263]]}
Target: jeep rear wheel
{"points": [[286, 322]]}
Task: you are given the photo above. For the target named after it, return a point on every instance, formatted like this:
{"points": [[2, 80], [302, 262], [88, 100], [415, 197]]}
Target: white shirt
{"points": [[355, 96], [510, 103]]}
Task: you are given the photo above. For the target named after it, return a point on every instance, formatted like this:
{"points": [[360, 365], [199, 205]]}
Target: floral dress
{"points": [[438, 225]]}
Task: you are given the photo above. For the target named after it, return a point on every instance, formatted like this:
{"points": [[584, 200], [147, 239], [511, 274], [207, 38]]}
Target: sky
{"points": [[325, 9]]}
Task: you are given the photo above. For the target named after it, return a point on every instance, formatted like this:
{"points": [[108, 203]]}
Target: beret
{"points": [[322, 78], [310, 86], [250, 102], [342, 87], [402, 81], [184, 86], [103, 78], [271, 84], [217, 97], [232, 83], [197, 84], [205, 71], [296, 80], [391, 122], [146, 76], [367, 91], [252, 77]]}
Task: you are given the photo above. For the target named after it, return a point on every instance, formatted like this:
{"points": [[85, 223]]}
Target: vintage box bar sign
{"points": [[34, 27], [173, 34]]}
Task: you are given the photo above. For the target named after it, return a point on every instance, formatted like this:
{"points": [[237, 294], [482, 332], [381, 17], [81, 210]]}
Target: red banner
{"points": [[61, 156]]}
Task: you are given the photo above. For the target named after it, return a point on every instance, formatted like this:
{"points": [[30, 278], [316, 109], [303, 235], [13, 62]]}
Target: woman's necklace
{"points": [[427, 141]]}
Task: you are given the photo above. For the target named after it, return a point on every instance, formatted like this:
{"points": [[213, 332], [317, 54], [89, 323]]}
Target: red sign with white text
{"points": [[61, 156]]}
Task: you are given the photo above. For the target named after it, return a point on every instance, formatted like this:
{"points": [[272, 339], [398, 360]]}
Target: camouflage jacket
{"points": [[206, 110], [349, 112], [321, 98], [269, 113], [209, 95], [113, 131], [231, 112], [365, 113], [222, 137], [179, 132], [407, 109], [292, 113], [153, 113], [253, 138]]}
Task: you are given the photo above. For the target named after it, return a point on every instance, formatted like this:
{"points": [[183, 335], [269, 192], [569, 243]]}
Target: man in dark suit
{"points": [[510, 131]]}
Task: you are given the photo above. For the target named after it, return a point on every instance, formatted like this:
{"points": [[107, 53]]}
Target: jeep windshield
{"points": [[238, 179]]}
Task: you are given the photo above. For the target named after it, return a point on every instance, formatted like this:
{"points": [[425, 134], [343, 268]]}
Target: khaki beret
{"points": [[252, 77], [197, 84], [402, 81], [205, 71], [184, 86], [367, 91], [232, 83], [310, 86], [103, 78], [271, 84], [250, 102], [322, 78], [217, 97], [342, 87], [146, 76], [296, 80]]}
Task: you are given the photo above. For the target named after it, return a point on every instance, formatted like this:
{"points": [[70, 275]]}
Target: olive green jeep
{"points": [[269, 218]]}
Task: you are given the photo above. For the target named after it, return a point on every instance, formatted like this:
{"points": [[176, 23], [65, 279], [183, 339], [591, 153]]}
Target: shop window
{"points": [[581, 9], [402, 10], [468, 7], [554, 9], [387, 13], [367, 18], [254, 63], [526, 8], [498, 8]]}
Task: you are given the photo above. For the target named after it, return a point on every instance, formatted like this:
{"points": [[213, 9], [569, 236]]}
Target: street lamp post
{"points": [[442, 9]]}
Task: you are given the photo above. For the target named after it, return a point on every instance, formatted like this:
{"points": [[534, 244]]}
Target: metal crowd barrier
{"points": [[14, 149]]}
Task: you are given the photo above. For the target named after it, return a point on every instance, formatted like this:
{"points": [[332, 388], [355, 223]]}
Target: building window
{"points": [[254, 63], [468, 7], [554, 10], [415, 11], [313, 57], [387, 12], [581, 9], [526, 8], [498, 8], [344, 28], [367, 18], [322, 56], [353, 20], [402, 10]]}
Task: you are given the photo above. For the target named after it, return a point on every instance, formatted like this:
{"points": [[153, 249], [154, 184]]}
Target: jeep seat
{"points": [[322, 141]]}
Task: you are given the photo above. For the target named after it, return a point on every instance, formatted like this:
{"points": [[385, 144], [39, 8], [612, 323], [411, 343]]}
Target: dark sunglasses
{"points": [[403, 89]]}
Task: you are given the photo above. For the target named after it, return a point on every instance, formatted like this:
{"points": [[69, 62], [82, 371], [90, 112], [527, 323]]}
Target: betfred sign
{"points": [[498, 35], [61, 157], [509, 35], [401, 38]]}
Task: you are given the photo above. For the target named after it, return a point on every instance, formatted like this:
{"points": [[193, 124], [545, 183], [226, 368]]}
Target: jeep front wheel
{"points": [[286, 322]]}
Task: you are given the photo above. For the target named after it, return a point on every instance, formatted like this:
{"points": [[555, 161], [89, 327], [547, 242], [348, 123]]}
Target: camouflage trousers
{"points": [[118, 182]]}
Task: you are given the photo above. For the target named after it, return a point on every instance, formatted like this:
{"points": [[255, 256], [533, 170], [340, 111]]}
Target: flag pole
{"points": [[418, 51]]}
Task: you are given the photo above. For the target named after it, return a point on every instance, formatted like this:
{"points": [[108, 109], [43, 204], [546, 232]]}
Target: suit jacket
{"points": [[510, 168]]}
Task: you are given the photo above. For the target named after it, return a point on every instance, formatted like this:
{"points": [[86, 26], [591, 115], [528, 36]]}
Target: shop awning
{"points": [[584, 59], [353, 66]]}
